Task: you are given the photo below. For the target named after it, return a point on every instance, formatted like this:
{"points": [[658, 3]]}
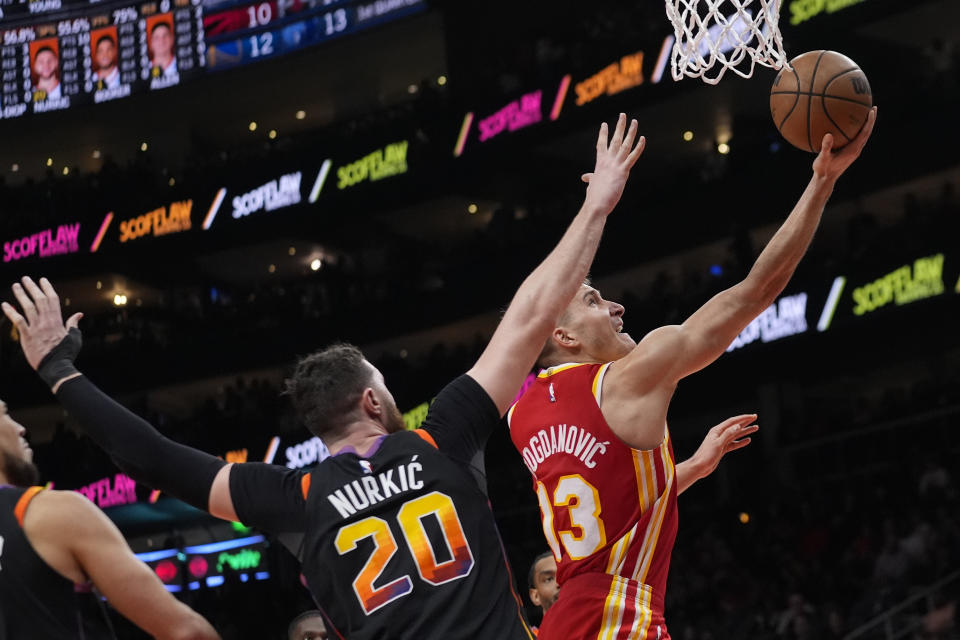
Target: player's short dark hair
{"points": [[326, 386], [532, 574], [162, 23], [313, 613], [544, 360], [42, 49], [107, 37]]}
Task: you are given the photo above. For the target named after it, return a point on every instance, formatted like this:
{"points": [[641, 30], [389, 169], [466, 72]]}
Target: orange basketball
{"points": [[824, 92]]}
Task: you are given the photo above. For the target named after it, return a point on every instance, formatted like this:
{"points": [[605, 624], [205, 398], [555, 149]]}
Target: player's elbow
{"points": [[191, 627]]}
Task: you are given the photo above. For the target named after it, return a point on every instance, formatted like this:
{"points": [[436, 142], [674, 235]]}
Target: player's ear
{"points": [[564, 337], [535, 597], [370, 403]]}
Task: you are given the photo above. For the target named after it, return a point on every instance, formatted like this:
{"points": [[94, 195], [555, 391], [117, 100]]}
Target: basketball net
{"points": [[711, 36]]}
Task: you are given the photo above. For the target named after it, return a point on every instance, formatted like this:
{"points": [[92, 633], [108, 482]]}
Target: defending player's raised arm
{"points": [[670, 353], [544, 294], [50, 347], [82, 543]]}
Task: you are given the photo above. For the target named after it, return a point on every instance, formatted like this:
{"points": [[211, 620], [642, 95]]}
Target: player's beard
{"points": [[395, 420], [18, 471]]}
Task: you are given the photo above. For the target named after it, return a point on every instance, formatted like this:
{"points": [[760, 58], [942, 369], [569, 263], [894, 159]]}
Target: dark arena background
{"points": [[387, 172]]}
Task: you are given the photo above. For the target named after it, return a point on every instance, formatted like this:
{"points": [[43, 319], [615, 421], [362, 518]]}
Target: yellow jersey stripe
{"points": [[668, 465], [598, 382], [609, 609], [546, 373]]}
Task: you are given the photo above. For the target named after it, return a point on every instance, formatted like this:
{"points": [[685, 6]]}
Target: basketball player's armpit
{"points": [[137, 448], [462, 418]]}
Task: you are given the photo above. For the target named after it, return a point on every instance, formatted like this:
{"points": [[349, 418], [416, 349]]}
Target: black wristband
{"points": [[58, 364]]}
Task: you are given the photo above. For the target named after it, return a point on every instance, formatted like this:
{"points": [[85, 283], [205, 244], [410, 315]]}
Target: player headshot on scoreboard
{"points": [[103, 52], [163, 61], [45, 69]]}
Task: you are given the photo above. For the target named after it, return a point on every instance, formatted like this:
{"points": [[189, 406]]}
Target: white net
{"points": [[711, 36]]}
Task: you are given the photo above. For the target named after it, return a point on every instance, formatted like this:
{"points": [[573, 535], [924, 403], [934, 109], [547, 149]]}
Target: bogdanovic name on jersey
{"points": [[372, 489], [571, 440]]}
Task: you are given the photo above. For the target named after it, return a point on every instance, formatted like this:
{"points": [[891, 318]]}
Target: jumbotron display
{"points": [[55, 54]]}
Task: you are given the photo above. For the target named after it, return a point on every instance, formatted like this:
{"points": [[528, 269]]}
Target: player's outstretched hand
{"points": [[831, 164], [614, 161], [729, 435], [41, 326]]}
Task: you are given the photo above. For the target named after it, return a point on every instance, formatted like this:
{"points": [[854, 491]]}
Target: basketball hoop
{"points": [[728, 34]]}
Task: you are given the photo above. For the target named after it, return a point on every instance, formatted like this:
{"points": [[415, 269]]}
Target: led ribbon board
{"points": [[159, 222], [612, 79], [382, 163], [44, 244], [803, 10], [785, 317], [909, 283]]}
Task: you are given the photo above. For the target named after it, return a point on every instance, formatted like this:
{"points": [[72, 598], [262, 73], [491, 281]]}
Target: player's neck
{"points": [[359, 436], [4, 480]]}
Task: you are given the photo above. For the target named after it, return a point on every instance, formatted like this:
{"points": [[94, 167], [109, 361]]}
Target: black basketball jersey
{"points": [[36, 602], [413, 535], [400, 543]]}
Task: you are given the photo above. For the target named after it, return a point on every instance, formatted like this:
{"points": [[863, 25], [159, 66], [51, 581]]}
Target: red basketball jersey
{"points": [[609, 511]]}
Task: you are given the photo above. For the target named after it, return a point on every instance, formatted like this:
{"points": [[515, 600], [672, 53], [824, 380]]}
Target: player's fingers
{"points": [[29, 310], [39, 298], [18, 320], [73, 322], [602, 139], [867, 129], [586, 177], [51, 293], [637, 151], [628, 139], [738, 444], [827, 143], [619, 131], [736, 422]]}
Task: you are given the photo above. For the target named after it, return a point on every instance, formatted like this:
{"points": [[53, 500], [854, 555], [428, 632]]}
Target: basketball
{"points": [[824, 92]]}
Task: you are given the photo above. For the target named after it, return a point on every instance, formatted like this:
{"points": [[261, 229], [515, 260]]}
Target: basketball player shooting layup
{"points": [[51, 541], [592, 430], [366, 553]]}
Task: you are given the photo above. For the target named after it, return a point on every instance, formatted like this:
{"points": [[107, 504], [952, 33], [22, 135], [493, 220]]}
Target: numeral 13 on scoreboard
{"points": [[410, 518]]}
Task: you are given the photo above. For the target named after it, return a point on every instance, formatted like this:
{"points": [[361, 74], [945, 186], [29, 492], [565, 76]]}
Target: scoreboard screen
{"points": [[55, 54]]}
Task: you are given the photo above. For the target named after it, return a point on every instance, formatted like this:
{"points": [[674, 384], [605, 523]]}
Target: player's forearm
{"points": [[548, 289], [688, 472], [136, 447], [779, 259]]}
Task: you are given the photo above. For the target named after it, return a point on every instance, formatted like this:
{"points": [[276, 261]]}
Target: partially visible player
{"points": [[366, 551], [51, 541], [308, 626], [592, 430], [542, 581]]}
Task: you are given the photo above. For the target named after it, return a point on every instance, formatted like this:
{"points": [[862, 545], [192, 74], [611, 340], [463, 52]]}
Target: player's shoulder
{"points": [[56, 513]]}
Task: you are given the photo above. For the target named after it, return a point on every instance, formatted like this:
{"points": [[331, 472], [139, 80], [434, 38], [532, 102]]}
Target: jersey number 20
{"points": [[410, 517], [586, 535]]}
